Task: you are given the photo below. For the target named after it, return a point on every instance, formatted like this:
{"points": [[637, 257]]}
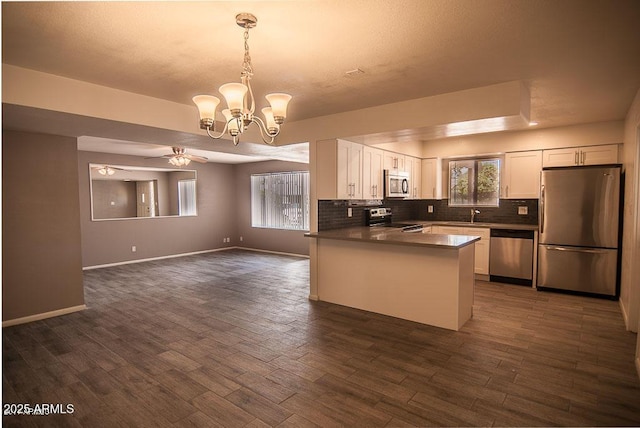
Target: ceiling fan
{"points": [[181, 158], [107, 169]]}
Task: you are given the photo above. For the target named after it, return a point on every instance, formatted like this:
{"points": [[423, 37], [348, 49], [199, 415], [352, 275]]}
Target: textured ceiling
{"points": [[579, 59]]}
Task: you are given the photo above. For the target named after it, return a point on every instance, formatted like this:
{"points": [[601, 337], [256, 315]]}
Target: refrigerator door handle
{"points": [[542, 209], [576, 250]]}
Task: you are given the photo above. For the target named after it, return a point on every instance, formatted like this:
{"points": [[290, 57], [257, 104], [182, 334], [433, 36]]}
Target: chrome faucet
{"points": [[473, 214]]}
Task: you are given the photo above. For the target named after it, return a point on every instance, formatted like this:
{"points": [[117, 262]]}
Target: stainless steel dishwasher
{"points": [[511, 256]]}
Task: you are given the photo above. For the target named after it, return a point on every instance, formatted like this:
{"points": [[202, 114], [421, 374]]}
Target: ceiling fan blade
{"points": [[195, 158], [160, 157]]}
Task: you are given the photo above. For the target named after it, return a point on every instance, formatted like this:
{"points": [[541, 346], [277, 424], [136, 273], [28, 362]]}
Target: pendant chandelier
{"points": [[241, 104]]}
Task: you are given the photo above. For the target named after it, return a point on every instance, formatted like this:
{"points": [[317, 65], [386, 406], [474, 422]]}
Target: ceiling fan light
{"points": [[179, 161], [207, 105], [234, 95], [279, 104]]}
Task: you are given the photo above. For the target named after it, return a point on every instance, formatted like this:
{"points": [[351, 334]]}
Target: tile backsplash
{"points": [[333, 214]]}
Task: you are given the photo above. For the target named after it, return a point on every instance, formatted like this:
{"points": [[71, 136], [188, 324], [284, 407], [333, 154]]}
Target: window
{"points": [[187, 197], [474, 182], [280, 200]]}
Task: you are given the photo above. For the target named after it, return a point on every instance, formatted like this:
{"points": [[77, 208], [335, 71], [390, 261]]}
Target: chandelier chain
{"points": [[247, 68]]}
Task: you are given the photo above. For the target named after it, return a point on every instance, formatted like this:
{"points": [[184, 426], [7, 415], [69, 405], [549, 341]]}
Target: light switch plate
{"points": [[523, 210]]}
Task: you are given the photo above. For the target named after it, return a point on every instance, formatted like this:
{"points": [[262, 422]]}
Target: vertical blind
{"points": [[187, 197], [280, 200]]}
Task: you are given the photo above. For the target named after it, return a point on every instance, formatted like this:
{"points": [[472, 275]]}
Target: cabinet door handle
{"points": [[507, 192], [577, 158], [584, 157], [433, 192]]}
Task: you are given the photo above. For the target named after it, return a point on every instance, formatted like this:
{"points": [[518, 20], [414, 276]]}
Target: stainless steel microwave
{"points": [[396, 184]]}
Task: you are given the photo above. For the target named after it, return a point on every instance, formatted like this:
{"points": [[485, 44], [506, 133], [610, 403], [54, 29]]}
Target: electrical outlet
{"points": [[523, 210], [430, 208], [349, 212], [241, 239], [133, 249]]}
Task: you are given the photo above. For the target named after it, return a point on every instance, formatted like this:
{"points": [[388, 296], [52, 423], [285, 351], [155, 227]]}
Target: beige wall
{"points": [[41, 259], [286, 241], [630, 286], [106, 242], [532, 139]]}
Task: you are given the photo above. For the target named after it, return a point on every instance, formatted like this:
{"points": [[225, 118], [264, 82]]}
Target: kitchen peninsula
{"points": [[426, 278]]}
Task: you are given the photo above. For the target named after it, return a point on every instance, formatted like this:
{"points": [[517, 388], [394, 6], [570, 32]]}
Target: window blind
{"points": [[280, 200]]}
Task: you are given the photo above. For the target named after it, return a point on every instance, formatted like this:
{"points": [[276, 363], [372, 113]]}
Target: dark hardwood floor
{"points": [[230, 339]]}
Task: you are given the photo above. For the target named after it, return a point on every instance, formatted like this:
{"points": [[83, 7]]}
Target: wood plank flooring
{"points": [[230, 339]]}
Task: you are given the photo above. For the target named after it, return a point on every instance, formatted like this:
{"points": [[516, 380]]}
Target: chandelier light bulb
{"points": [[232, 122], [272, 126], [207, 105], [234, 95], [279, 104]]}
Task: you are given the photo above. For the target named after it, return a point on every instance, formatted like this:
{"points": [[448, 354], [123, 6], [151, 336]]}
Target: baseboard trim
{"points": [[625, 316], [314, 297], [150, 259], [281, 253], [44, 315]]}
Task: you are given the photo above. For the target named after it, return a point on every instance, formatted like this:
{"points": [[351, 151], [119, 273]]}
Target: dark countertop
{"points": [[384, 235]]}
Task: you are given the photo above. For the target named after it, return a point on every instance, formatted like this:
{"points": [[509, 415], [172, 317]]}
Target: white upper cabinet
{"points": [[431, 178], [339, 175], [414, 167], [599, 155], [372, 176], [349, 170], [579, 156], [521, 175], [393, 161]]}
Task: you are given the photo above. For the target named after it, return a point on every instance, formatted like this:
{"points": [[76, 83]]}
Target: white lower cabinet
{"points": [[481, 265]]}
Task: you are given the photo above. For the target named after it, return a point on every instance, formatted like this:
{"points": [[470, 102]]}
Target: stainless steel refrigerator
{"points": [[579, 229]]}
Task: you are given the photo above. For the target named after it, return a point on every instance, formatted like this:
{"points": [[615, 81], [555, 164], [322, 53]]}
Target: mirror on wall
{"points": [[125, 192]]}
